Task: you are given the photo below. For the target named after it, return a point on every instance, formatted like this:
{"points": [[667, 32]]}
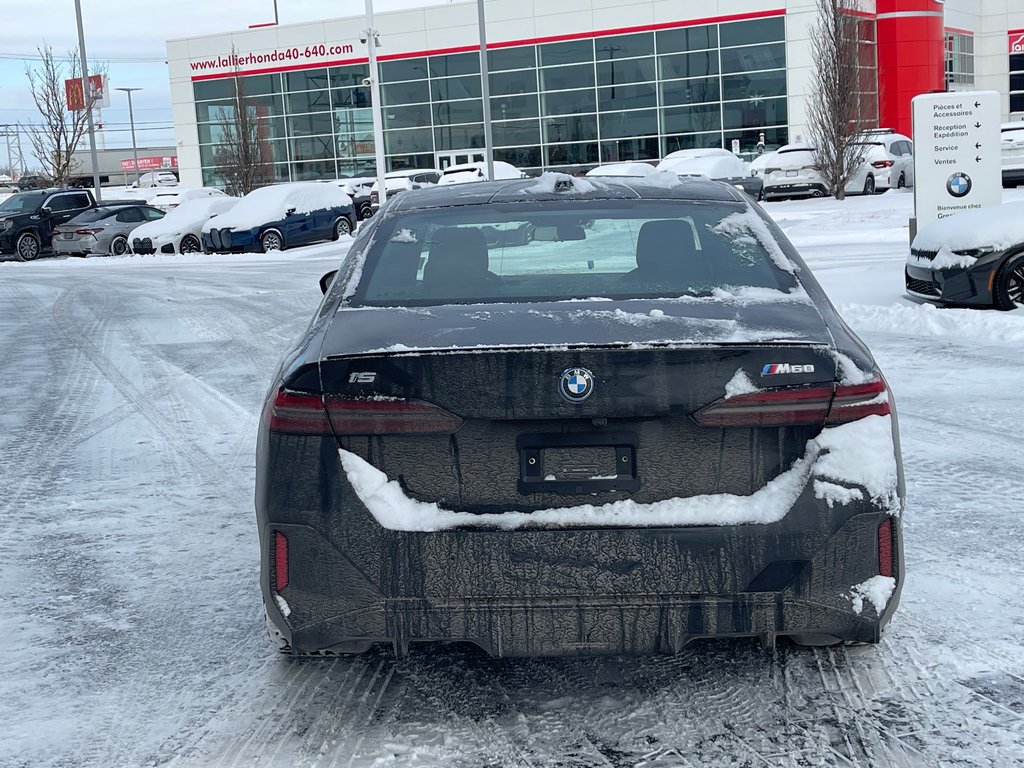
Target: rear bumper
{"points": [[540, 592], [1013, 175], [792, 190]]}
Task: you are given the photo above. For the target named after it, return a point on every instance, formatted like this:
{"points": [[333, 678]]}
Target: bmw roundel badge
{"points": [[576, 384], [959, 184]]}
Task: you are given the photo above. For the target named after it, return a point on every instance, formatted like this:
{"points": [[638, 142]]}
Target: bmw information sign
{"points": [[957, 164]]}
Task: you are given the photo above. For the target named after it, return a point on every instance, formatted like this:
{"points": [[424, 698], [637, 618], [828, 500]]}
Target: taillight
{"points": [[796, 406], [855, 401], [298, 413], [882, 164], [791, 406], [380, 417], [768, 171], [301, 413], [280, 561], [810, 168], [885, 548], [87, 231]]}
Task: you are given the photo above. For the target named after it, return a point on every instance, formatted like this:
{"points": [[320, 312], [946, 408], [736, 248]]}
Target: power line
{"points": [[111, 59]]}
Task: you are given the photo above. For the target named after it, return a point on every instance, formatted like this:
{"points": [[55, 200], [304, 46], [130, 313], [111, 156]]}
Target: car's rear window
{"points": [[96, 214], [578, 249]]}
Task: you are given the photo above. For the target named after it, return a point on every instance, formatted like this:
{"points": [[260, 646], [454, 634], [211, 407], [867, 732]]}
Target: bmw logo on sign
{"points": [[576, 384], [959, 184]]}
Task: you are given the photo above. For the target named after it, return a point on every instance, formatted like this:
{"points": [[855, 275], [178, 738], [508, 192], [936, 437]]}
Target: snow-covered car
{"points": [[970, 258], [397, 182], [170, 198], [358, 191], [281, 216], [102, 231], [181, 230], [464, 173], [717, 164], [156, 179], [758, 164], [623, 170], [1012, 151], [467, 446]]}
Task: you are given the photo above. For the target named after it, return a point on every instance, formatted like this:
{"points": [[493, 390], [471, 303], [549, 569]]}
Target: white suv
{"points": [[888, 162], [1013, 153]]}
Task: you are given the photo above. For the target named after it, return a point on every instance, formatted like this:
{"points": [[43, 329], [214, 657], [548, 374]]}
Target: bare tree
{"points": [[243, 153], [837, 109], [56, 137]]}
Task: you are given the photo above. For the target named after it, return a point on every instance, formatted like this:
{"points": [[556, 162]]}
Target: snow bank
{"points": [[842, 453], [927, 320], [268, 204], [998, 226]]}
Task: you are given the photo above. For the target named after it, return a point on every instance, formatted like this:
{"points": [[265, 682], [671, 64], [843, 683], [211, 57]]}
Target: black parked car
{"points": [[642, 425], [281, 216], [974, 258]]}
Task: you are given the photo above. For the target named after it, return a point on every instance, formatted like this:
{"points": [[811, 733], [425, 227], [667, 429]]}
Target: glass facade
{"points": [[559, 105], [959, 61], [1016, 84]]}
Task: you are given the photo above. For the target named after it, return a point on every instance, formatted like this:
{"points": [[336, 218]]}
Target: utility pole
{"points": [[485, 91], [131, 121], [87, 98], [378, 123]]}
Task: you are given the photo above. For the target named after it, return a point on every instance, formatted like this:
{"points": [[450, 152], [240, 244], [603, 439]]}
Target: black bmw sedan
{"points": [[974, 258], [566, 417]]}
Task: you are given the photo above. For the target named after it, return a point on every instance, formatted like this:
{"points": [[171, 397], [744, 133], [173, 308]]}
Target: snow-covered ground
{"points": [[128, 407]]}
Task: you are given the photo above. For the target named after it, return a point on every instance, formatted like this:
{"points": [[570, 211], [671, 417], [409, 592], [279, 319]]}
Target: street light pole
{"points": [[378, 123], [131, 120], [87, 104], [485, 92]]}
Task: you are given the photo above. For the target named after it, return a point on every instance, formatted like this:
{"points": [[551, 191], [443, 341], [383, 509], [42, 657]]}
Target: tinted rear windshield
{"points": [[96, 214], [577, 249]]}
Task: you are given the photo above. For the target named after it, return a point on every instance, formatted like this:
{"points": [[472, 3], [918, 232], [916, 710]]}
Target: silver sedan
{"points": [[102, 231]]}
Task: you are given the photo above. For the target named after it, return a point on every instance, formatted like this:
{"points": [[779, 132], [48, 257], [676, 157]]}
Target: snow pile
{"points": [[877, 590], [268, 204], [740, 384], [929, 321], [739, 227], [998, 226], [851, 455], [833, 454], [550, 182], [190, 216]]}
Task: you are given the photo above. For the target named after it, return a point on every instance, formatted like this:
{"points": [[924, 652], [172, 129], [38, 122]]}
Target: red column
{"points": [[911, 57]]}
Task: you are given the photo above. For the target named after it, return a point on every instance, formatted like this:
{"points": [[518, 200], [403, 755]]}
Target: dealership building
{"points": [[573, 83]]}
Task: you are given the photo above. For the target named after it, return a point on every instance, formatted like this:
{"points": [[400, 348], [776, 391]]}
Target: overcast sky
{"points": [[130, 35]]}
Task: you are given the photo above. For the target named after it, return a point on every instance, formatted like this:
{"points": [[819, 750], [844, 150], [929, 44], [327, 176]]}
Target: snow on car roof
{"points": [[189, 216], [273, 203], [997, 226], [622, 169], [720, 164]]}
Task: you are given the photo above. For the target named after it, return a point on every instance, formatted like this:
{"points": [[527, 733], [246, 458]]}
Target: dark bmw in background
{"points": [[645, 424], [970, 259], [281, 216]]}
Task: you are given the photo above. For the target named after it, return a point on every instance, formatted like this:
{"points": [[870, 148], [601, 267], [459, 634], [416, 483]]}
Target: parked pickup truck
{"points": [[27, 219]]}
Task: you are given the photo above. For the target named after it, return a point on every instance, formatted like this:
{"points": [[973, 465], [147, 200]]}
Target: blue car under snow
{"points": [[281, 216]]}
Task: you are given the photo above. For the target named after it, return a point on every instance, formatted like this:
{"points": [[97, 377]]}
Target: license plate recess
{"points": [[551, 456]]}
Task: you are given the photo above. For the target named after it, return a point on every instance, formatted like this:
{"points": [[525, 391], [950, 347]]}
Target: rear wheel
{"points": [[869, 185], [27, 247], [190, 244], [342, 227], [1008, 291], [902, 182], [272, 241], [365, 211], [119, 246]]}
